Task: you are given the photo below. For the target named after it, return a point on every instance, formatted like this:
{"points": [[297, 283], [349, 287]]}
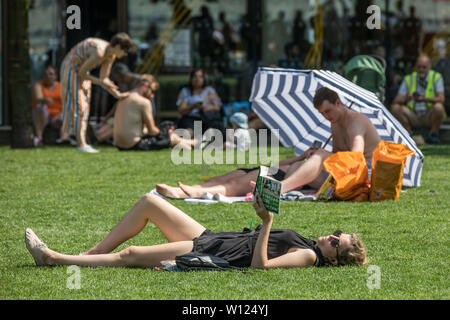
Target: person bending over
{"points": [[351, 131], [134, 125], [268, 248], [77, 81]]}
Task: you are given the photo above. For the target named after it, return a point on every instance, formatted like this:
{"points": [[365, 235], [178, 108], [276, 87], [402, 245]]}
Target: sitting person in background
{"points": [[134, 125], [420, 100], [125, 81], [351, 131], [199, 102], [241, 139], [47, 105], [106, 129]]}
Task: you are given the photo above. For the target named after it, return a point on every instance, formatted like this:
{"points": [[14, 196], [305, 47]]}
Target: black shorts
{"points": [[151, 143], [280, 175], [187, 122], [209, 120]]}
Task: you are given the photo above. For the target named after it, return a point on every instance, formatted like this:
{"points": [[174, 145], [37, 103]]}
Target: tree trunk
{"points": [[19, 83]]}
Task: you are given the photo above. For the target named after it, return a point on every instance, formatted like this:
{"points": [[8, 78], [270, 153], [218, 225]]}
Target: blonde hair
{"points": [[356, 254], [148, 78]]}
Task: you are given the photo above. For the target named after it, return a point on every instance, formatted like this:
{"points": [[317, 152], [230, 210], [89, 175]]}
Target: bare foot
{"points": [[36, 247], [192, 192], [172, 192]]}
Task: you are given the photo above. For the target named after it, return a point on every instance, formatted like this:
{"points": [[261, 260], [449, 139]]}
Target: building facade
{"points": [[243, 34]]}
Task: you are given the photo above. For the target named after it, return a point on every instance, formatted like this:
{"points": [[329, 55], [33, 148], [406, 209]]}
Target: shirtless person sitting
{"points": [[134, 125], [351, 131]]}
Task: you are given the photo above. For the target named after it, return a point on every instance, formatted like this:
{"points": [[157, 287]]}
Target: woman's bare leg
{"points": [[169, 191], [143, 257], [214, 181], [238, 186], [178, 193], [105, 132], [40, 122], [174, 224], [294, 167], [305, 173], [139, 257], [185, 144], [235, 186]]}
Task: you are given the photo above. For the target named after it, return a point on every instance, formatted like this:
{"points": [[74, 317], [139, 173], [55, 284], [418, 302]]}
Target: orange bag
{"points": [[388, 162], [349, 170]]}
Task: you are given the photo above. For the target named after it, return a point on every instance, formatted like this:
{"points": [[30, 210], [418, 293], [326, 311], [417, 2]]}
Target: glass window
{"points": [[206, 37], [43, 18]]}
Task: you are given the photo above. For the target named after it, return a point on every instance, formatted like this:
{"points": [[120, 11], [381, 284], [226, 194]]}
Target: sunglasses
{"points": [[335, 242]]}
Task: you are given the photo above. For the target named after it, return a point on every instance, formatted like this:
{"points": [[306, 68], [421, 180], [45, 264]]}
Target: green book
{"points": [[269, 189]]}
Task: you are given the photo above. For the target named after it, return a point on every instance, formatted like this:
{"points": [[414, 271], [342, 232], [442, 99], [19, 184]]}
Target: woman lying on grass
{"points": [[262, 248]]}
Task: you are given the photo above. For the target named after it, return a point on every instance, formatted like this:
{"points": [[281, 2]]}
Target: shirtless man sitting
{"points": [[351, 131], [134, 125]]}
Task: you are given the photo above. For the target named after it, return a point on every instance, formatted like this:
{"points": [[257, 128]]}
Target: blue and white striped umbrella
{"points": [[283, 99]]}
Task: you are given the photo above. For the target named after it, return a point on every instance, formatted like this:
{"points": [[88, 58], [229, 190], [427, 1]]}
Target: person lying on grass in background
{"points": [[270, 248], [351, 131]]}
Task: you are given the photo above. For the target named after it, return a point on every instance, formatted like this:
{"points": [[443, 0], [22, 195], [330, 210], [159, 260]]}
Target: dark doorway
{"points": [[99, 19]]}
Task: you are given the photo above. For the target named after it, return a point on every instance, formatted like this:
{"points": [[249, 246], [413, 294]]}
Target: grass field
{"points": [[72, 201]]}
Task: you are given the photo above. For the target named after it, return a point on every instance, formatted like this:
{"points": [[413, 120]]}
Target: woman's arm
{"points": [[94, 60], [297, 259], [38, 95], [105, 69], [91, 63], [259, 259], [212, 101], [185, 109]]}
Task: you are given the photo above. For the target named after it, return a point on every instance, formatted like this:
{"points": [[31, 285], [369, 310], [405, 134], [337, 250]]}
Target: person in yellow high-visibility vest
{"points": [[420, 100]]}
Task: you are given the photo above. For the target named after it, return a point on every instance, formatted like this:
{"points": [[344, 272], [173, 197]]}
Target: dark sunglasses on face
{"points": [[335, 242]]}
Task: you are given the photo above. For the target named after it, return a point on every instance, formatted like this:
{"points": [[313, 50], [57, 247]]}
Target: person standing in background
{"points": [[77, 81]]}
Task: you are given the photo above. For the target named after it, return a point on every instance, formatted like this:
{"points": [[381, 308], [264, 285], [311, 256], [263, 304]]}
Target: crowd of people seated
{"points": [[419, 97], [131, 122]]}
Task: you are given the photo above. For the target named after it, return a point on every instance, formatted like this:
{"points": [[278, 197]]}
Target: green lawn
{"points": [[72, 200]]}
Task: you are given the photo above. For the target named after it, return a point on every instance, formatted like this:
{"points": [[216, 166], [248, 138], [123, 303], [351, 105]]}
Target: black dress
{"points": [[237, 247]]}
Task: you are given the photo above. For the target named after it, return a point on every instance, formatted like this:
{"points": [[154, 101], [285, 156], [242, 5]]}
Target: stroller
{"points": [[368, 72]]}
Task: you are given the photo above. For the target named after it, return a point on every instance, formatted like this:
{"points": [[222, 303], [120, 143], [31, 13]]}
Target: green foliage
{"points": [[73, 200]]}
